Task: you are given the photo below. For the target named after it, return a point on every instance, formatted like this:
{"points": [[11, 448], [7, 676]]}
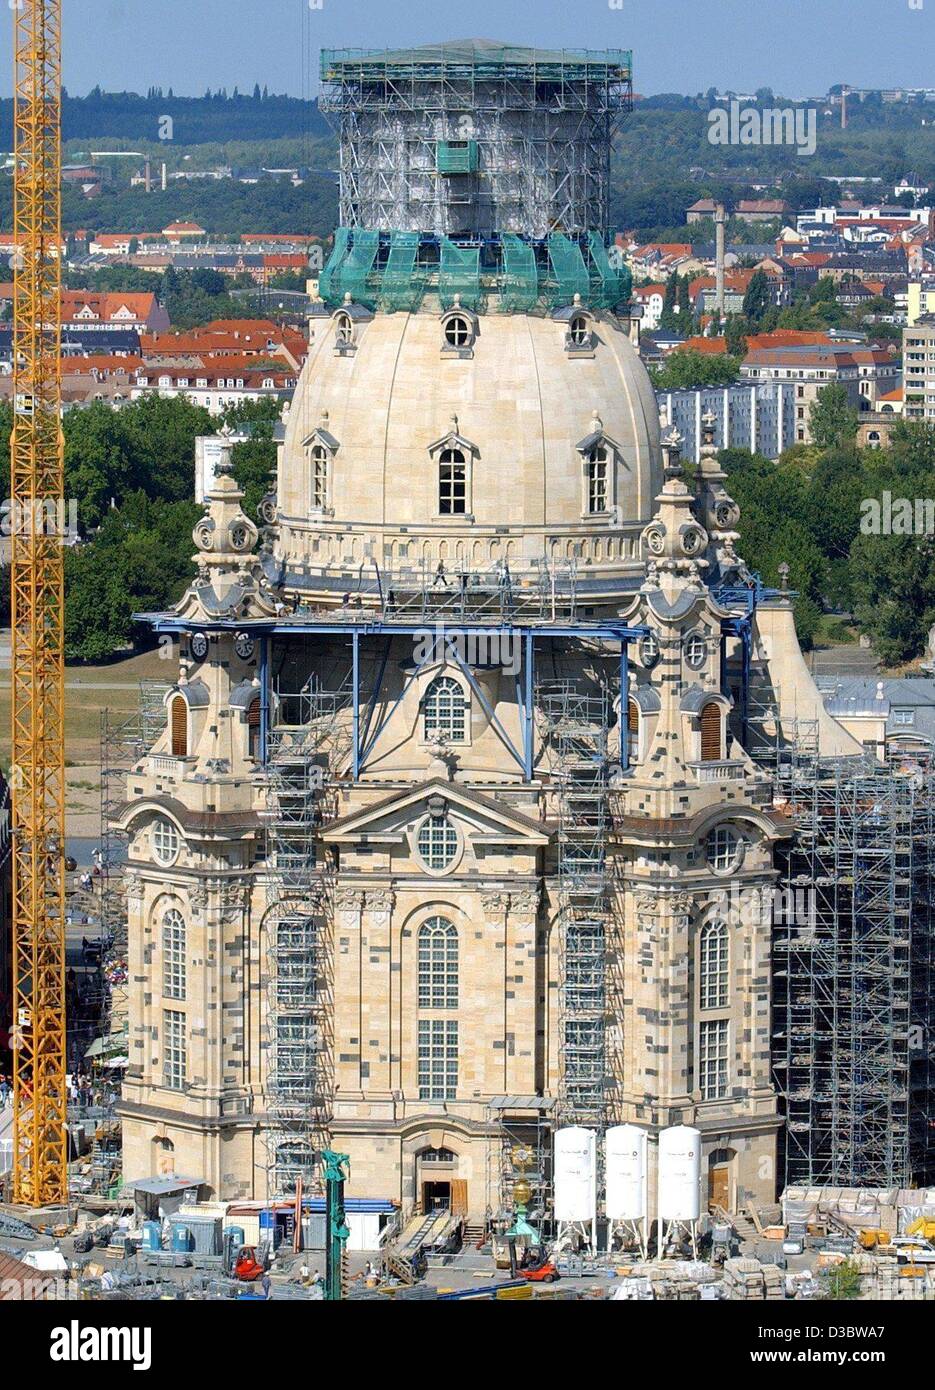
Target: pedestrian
{"points": [[265, 1282]]}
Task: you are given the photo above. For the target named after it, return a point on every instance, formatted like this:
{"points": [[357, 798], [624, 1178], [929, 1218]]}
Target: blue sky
{"points": [[798, 47]]}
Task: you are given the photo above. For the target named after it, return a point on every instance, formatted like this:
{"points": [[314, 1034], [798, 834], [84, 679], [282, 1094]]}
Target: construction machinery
{"points": [[40, 1173], [336, 1169]]}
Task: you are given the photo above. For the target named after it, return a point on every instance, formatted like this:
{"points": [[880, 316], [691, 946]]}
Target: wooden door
{"points": [[719, 1188], [459, 1203]]}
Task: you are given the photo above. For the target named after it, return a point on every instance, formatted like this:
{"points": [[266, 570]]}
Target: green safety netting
{"points": [[569, 271], [456, 156], [402, 283], [459, 273], [609, 287], [353, 275], [520, 285], [326, 280]]}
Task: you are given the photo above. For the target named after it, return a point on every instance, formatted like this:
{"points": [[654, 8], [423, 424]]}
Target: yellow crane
{"points": [[40, 1169]]}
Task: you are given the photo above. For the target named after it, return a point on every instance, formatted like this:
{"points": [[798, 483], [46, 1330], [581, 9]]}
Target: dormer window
{"points": [[578, 328], [598, 455], [597, 480], [579, 331], [321, 447], [343, 329], [459, 330], [452, 483], [454, 458], [318, 477]]}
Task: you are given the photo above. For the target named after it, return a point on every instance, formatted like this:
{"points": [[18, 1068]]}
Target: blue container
{"points": [[152, 1235], [182, 1239]]}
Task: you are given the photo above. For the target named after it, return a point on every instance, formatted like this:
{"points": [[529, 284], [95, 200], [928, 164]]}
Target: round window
{"points": [[457, 331], [437, 843], [696, 652], [649, 650], [723, 849], [165, 841]]}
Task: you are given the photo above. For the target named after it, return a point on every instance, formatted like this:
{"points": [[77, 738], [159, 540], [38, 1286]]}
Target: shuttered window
{"points": [[253, 727], [178, 716], [711, 733], [633, 731]]}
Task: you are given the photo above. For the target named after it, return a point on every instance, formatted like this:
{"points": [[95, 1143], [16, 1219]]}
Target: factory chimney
{"points": [[720, 219]]}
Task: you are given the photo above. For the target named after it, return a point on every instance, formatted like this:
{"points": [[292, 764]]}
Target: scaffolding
{"points": [[403, 282], [520, 287], [577, 730], [569, 274], [521, 1147], [848, 944], [459, 275], [476, 137], [301, 755]]}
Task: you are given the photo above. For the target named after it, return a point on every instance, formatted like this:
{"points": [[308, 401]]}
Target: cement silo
{"points": [[575, 1178], [679, 1189], [626, 1173]]}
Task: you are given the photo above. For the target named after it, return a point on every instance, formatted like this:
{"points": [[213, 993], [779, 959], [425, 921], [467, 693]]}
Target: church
{"points": [[453, 834]]}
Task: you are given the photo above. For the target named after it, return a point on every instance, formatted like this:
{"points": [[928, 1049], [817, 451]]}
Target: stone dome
{"points": [[526, 403]]}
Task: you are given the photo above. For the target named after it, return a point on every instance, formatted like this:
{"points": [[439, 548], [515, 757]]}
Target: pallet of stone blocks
{"points": [[750, 1280], [883, 1279]]}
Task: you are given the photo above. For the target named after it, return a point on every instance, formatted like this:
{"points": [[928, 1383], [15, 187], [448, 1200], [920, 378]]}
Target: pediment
{"points": [[390, 820]]}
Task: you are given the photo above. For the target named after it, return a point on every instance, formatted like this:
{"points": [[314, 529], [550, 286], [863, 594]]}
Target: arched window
{"points": [[633, 731], [597, 480], [438, 964], [173, 954], [437, 842], [438, 993], [578, 331], [178, 726], [711, 732], [318, 477], [713, 965], [452, 483], [253, 728], [343, 328], [444, 709]]}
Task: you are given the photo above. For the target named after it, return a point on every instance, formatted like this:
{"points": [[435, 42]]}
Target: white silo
{"points": [[680, 1173], [626, 1152], [575, 1176], [626, 1185]]}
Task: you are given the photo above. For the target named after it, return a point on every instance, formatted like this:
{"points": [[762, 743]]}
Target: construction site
{"points": [[487, 905]]}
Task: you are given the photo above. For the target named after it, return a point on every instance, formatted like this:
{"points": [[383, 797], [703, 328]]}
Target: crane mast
{"points": [[40, 1169]]}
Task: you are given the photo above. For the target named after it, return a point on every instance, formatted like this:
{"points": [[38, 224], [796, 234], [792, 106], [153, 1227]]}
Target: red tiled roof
{"points": [[707, 346]]}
